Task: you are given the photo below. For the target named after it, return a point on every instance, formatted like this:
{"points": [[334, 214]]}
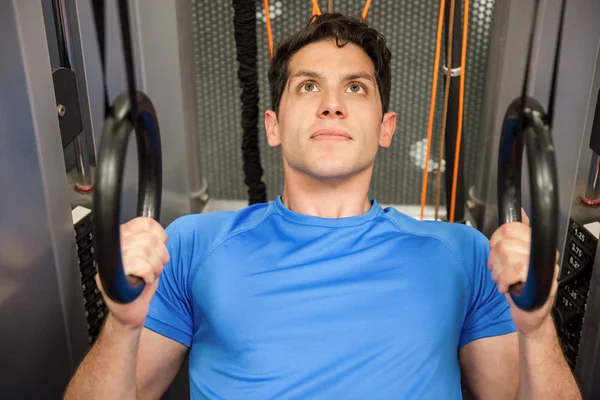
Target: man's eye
{"points": [[308, 87], [357, 88]]}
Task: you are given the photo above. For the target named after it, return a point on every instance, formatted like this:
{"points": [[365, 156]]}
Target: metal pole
{"points": [[591, 197], [592, 189], [84, 178]]}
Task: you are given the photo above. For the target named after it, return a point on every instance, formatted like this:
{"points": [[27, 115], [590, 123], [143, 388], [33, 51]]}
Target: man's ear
{"points": [[272, 128], [388, 127]]}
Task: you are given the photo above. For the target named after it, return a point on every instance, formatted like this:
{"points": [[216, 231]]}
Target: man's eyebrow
{"points": [[317, 75], [361, 75], [308, 73], [305, 73]]}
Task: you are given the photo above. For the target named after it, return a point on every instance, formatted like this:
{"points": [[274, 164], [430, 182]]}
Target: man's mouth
{"points": [[331, 134]]}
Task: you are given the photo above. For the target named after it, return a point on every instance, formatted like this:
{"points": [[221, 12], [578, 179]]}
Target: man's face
{"points": [[330, 121]]}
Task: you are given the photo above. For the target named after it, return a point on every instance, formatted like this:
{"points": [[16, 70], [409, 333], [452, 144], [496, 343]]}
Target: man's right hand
{"points": [[144, 254]]}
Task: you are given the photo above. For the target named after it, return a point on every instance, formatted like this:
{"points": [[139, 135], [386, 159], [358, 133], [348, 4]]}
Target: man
{"points": [[322, 293]]}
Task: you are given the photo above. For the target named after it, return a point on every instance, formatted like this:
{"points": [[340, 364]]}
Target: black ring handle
{"points": [[109, 181], [527, 126]]}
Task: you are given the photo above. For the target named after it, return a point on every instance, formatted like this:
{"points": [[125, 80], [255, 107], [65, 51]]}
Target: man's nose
{"points": [[333, 106]]}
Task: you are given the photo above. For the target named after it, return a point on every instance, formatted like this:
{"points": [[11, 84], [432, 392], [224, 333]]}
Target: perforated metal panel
{"points": [[410, 28]]}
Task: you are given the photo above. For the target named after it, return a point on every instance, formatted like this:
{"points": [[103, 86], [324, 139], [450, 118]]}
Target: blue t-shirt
{"points": [[275, 304]]}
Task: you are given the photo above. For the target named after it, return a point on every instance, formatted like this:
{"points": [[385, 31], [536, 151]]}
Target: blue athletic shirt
{"points": [[274, 304]]}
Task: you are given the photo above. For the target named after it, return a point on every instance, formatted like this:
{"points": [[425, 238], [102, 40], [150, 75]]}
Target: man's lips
{"points": [[330, 134]]}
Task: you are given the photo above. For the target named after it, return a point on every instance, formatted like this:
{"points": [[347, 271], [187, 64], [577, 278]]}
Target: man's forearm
{"points": [[544, 372], [108, 371]]}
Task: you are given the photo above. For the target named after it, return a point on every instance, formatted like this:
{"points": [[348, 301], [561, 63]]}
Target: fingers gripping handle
{"points": [[526, 127], [109, 181]]}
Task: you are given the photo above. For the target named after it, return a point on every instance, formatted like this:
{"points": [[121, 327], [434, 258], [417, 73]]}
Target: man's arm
{"points": [[159, 359], [128, 361], [490, 367], [127, 364], [108, 370], [544, 372], [514, 366]]}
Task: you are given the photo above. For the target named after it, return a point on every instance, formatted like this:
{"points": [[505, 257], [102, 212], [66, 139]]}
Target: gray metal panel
{"points": [[511, 22], [587, 369], [577, 69], [166, 62], [577, 85], [79, 66], [163, 57], [41, 308], [577, 64], [161, 63], [586, 153]]}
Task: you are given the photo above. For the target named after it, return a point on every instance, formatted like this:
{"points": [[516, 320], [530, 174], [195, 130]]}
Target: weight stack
{"points": [[95, 308], [576, 272]]}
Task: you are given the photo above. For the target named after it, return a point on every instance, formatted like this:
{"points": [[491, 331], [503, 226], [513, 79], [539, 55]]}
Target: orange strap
{"points": [[436, 65], [460, 110], [445, 112], [366, 10], [316, 10], [269, 32], [461, 99]]}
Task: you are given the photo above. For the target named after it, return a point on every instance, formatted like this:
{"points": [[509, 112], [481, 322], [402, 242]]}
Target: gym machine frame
{"points": [[578, 85]]}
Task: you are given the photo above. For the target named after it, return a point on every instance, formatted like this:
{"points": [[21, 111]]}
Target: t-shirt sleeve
{"points": [[488, 312], [170, 312]]}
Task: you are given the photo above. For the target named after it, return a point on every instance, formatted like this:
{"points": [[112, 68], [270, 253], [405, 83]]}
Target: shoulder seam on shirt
{"points": [[445, 243], [162, 322], [219, 243]]}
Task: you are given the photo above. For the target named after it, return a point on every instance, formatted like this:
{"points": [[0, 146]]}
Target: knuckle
{"points": [[161, 236], [525, 245], [144, 222], [166, 256], [147, 252], [127, 253], [156, 242], [496, 274], [490, 262], [501, 247], [138, 252], [506, 229], [522, 265], [147, 239], [137, 223], [137, 265], [149, 278], [523, 268]]}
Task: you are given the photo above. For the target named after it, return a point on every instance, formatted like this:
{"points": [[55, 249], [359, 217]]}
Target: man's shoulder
{"points": [[214, 226], [457, 237], [463, 244]]}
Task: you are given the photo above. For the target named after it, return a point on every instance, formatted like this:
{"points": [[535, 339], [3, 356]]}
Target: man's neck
{"points": [[340, 198]]}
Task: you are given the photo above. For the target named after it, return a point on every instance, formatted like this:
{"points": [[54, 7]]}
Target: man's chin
{"points": [[333, 169], [334, 173]]}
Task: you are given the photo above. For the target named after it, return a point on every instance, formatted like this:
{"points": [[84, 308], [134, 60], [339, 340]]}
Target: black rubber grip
{"points": [[527, 127], [109, 181]]}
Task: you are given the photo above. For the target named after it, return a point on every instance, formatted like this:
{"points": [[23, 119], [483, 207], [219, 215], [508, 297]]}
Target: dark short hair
{"points": [[343, 29]]}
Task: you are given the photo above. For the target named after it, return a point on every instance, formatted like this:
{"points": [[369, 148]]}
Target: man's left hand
{"points": [[509, 262]]}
